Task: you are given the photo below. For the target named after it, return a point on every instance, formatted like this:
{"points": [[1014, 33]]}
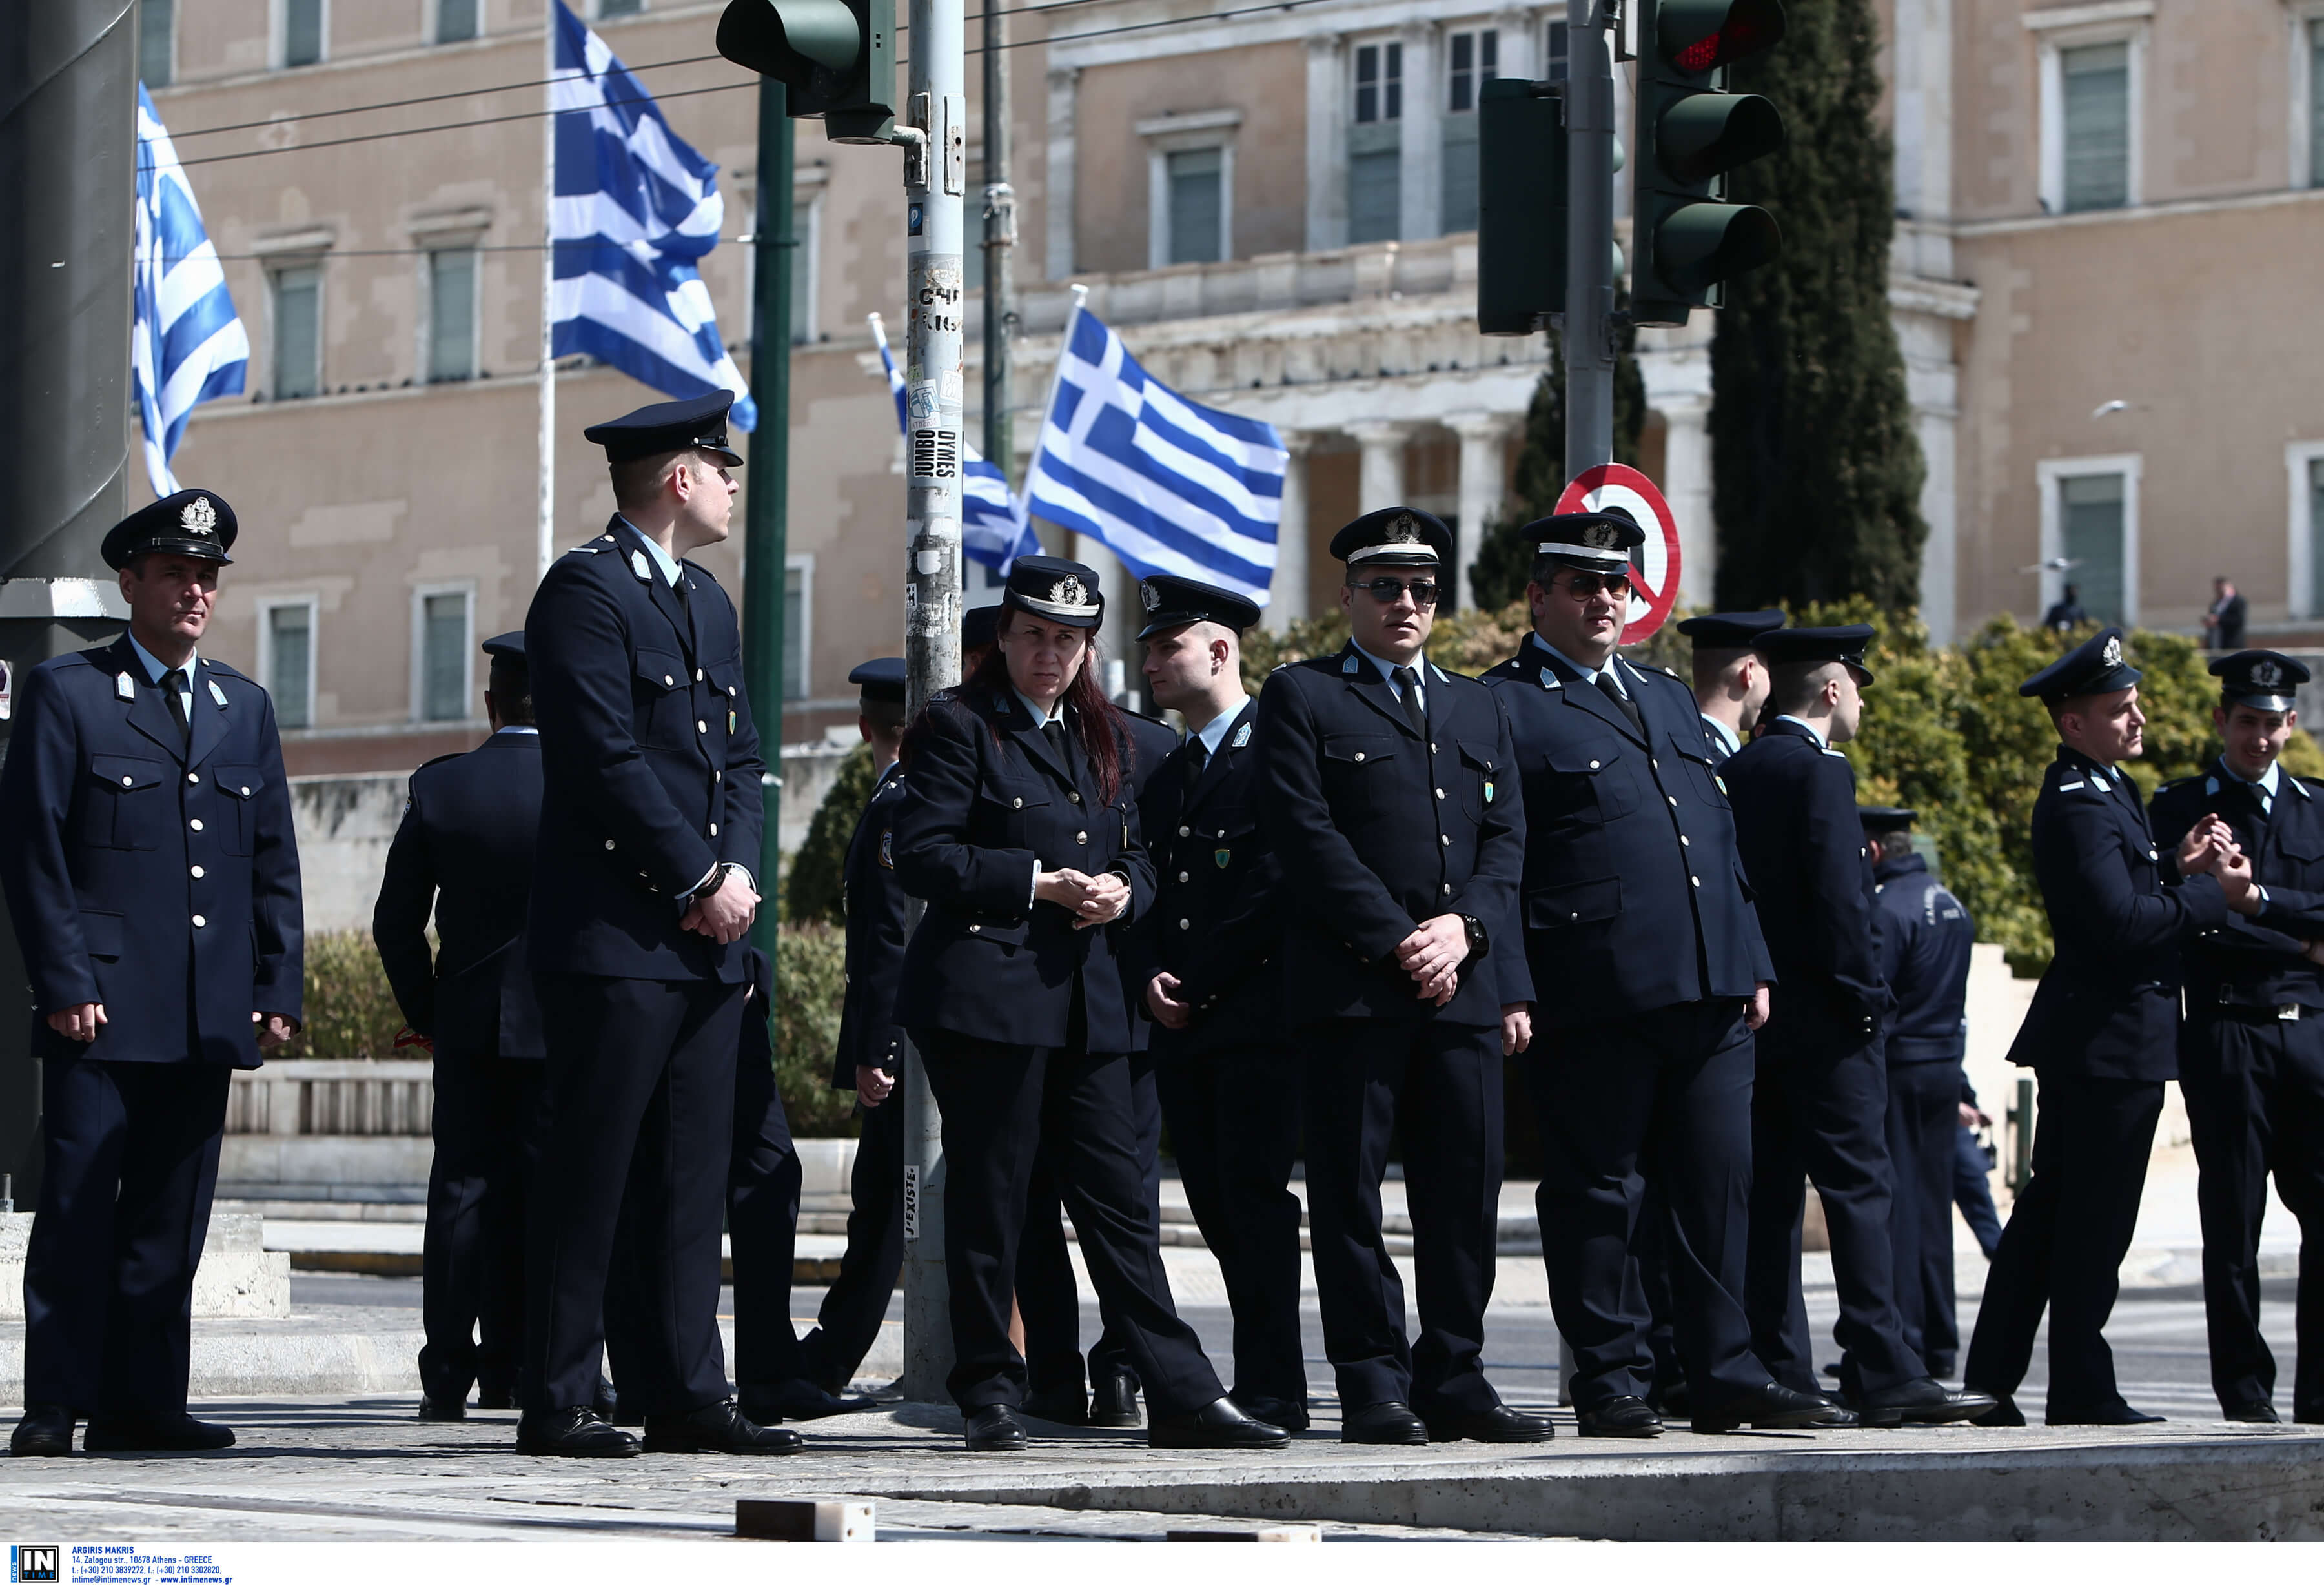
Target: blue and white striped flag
{"points": [[1168, 486], [992, 527], [633, 208], [187, 345]]}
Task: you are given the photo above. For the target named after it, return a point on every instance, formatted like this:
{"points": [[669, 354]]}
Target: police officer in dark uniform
{"points": [[153, 880], [1214, 987], [1020, 831], [869, 1060], [2101, 1035], [464, 851], [1819, 1103], [1384, 788], [1649, 977], [1730, 675], [1925, 936], [2250, 1053], [651, 817]]}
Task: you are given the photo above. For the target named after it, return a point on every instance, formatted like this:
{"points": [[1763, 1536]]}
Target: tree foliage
{"points": [[811, 980], [1816, 472], [815, 882]]}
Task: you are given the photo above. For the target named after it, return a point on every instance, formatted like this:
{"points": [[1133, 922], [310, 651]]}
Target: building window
{"points": [[1376, 145], [2303, 464], [456, 20], [157, 42], [1471, 60], [1197, 188], [2096, 108], [2315, 59], [452, 314], [798, 582], [298, 294], [302, 32], [286, 658], [610, 9], [2090, 519], [1554, 54], [440, 671]]}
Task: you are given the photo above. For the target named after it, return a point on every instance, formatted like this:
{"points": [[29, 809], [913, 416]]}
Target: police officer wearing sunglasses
{"points": [[1650, 977], [1384, 785]]}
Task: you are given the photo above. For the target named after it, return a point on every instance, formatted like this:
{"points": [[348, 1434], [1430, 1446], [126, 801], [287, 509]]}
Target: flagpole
{"points": [[545, 524]]}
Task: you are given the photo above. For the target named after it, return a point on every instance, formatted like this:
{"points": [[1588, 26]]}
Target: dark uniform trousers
{"points": [[1923, 1124], [2254, 1091], [847, 1325], [489, 1118], [130, 1158]]}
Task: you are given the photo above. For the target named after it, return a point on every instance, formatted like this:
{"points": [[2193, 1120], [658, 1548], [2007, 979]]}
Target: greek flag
{"points": [[632, 207], [992, 527], [187, 345], [1168, 486]]}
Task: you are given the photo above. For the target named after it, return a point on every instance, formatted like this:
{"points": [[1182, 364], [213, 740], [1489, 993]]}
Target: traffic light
{"points": [[836, 57], [1686, 239], [1520, 205]]}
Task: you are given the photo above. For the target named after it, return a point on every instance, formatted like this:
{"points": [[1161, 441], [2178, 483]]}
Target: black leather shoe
{"points": [[446, 1410], [1069, 1407], [2257, 1411], [1385, 1422], [1919, 1401], [1626, 1417], [719, 1428], [797, 1400], [1773, 1406], [1502, 1425], [1113, 1402], [2120, 1414], [173, 1432], [993, 1428], [1220, 1425], [1286, 1415], [2004, 1415], [575, 1431], [45, 1430]]}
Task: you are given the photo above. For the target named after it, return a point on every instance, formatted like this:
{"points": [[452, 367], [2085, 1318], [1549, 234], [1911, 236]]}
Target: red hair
{"points": [[1097, 722]]}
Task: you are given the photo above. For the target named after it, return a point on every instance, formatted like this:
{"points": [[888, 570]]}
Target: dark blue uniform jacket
{"points": [[138, 867], [1633, 896], [1376, 830], [878, 918], [986, 797], [1216, 923], [465, 850], [1803, 846], [2254, 961], [1152, 742], [649, 761], [1926, 940], [2107, 1008]]}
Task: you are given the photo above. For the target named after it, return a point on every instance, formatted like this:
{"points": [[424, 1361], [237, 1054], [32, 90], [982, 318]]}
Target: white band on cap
{"points": [[1055, 608], [1566, 549], [1393, 549]]}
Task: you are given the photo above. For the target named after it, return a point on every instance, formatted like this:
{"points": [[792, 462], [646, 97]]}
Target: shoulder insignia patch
{"points": [[887, 847], [2062, 788], [1241, 738], [122, 688], [216, 694], [2210, 785], [638, 565], [1550, 680], [1441, 676], [1348, 665]]}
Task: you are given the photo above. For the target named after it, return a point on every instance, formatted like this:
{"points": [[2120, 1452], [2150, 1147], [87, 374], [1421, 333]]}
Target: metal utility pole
{"points": [[765, 507], [1000, 245], [934, 135], [67, 233], [1589, 237]]}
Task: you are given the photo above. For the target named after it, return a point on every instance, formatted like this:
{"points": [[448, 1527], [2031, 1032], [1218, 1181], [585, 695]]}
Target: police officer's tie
{"points": [[174, 685], [1408, 685], [1054, 731], [1198, 756], [1623, 703]]}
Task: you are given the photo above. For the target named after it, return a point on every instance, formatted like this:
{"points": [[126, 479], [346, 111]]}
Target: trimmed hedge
{"points": [[814, 885]]}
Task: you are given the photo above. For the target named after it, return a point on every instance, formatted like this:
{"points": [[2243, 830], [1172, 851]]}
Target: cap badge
{"points": [[1599, 537], [198, 517], [1404, 528], [1149, 596], [1067, 592], [2267, 675], [2112, 654]]}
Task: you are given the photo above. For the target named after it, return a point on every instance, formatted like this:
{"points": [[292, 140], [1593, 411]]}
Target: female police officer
{"points": [[1019, 830]]}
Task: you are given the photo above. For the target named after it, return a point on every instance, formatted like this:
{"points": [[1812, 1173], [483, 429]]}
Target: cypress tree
{"points": [[1815, 470], [1505, 556]]}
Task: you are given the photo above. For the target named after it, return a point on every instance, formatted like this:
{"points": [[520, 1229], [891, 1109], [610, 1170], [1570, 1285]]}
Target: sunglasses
{"points": [[1385, 591], [1585, 586]]}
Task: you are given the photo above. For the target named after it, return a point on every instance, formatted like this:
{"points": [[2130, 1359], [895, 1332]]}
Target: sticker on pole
{"points": [[1654, 567]]}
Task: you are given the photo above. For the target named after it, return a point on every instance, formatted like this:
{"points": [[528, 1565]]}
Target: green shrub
{"points": [[350, 1012], [811, 975], [815, 882]]}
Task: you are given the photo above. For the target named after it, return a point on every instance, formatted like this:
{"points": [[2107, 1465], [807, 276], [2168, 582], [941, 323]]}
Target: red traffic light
{"points": [[1704, 35]]}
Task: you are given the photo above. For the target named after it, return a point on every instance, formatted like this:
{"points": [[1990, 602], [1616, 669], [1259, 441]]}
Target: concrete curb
{"points": [[2256, 1487]]}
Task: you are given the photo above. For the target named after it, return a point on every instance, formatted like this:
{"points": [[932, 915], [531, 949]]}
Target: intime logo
{"points": [[33, 1563]]}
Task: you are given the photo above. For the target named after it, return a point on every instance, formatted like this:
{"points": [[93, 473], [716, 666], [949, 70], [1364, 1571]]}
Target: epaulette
{"points": [[1147, 716], [2164, 788], [435, 760], [220, 667]]}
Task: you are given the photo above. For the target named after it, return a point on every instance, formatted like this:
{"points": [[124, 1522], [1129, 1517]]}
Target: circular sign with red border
{"points": [[1656, 567]]}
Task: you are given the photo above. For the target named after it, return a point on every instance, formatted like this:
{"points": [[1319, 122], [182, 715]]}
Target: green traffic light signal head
{"points": [[1699, 246], [1703, 134], [1704, 35]]}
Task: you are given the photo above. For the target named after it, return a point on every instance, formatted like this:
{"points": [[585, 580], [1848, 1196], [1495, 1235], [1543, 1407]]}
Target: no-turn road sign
{"points": [[1656, 565]]}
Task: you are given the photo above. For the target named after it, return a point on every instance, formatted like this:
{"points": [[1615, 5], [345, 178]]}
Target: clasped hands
{"points": [[726, 914], [1093, 902], [2210, 849], [78, 1023]]}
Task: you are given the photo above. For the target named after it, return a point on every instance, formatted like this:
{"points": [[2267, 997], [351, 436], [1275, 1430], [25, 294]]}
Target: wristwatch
{"points": [[709, 885], [1479, 940]]}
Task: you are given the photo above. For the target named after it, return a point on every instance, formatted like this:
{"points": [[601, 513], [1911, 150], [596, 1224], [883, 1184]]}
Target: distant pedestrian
{"points": [[2066, 611], [2223, 623], [1973, 1174]]}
